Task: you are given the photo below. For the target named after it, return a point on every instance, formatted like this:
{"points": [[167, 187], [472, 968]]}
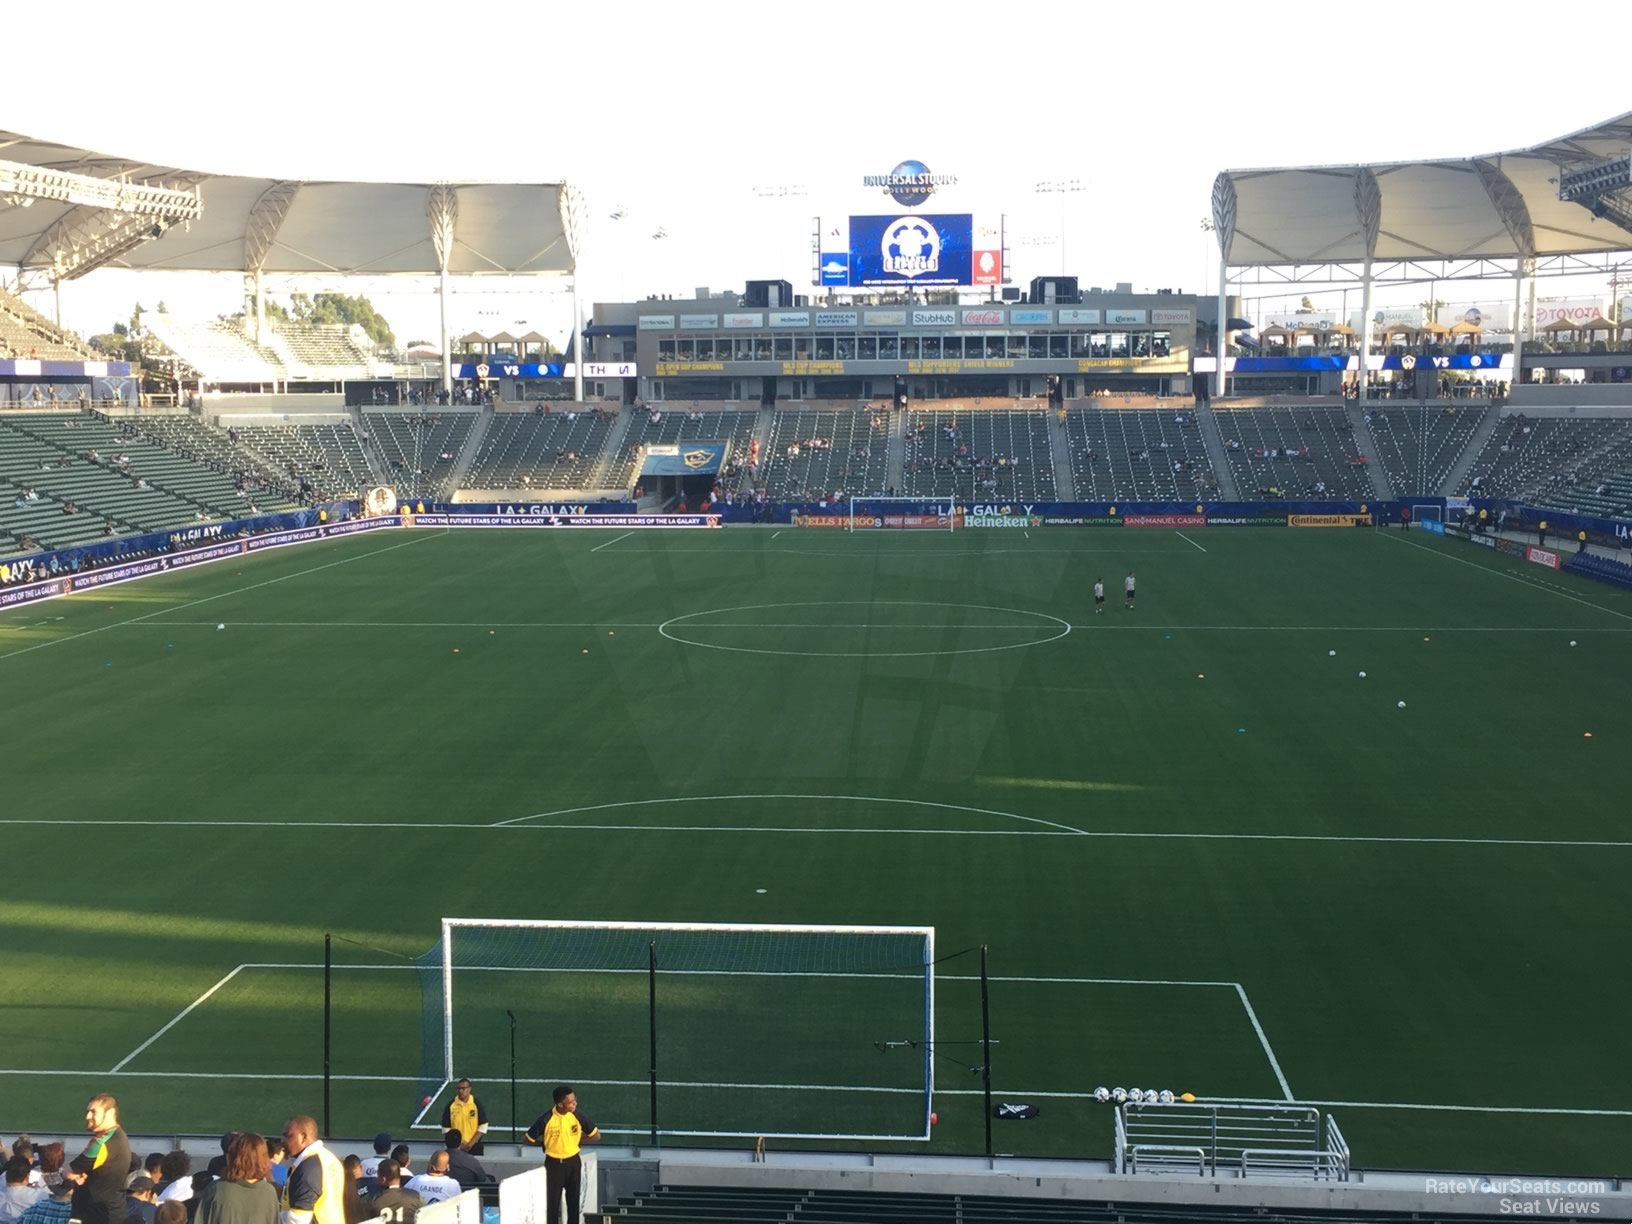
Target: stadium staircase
{"points": [[1216, 455], [1065, 481], [895, 453], [472, 447], [1463, 466], [604, 474], [1356, 412], [764, 427]]}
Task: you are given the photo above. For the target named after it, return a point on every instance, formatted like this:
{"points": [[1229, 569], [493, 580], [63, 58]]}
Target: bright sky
{"points": [[676, 113]]}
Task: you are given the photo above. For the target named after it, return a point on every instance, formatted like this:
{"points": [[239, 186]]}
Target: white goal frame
{"points": [[918, 505], [927, 934]]}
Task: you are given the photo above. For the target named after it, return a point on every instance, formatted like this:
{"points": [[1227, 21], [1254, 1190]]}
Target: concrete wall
{"points": [[297, 403]]}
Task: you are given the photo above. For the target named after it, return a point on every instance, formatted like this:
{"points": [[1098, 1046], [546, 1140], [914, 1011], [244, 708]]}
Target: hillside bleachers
{"points": [[25, 332], [414, 445], [995, 455], [1265, 436], [555, 450], [220, 351], [1418, 446], [1138, 454]]}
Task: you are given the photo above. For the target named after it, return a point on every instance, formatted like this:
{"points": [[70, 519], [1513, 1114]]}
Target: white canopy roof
{"points": [[1502, 205], [284, 226]]}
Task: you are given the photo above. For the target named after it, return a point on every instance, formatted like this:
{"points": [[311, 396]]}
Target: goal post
{"points": [[913, 513], [692, 1029]]}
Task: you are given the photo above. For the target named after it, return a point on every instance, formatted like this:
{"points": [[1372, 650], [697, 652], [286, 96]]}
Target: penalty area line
{"points": [[175, 1020], [612, 541]]}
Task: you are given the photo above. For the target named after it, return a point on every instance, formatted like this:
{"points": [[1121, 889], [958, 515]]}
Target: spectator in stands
{"points": [[395, 1204], [275, 1156], [99, 1172], [355, 1205], [53, 1208], [153, 1167], [51, 1155], [176, 1177], [462, 1166], [371, 1164], [170, 1213], [140, 1204], [434, 1184], [19, 1196], [402, 1158]]}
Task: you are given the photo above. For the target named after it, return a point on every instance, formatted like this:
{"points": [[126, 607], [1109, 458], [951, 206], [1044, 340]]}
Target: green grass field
{"points": [[1204, 853]]}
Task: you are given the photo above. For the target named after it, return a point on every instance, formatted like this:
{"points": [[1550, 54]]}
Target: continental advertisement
{"points": [[1328, 520]]}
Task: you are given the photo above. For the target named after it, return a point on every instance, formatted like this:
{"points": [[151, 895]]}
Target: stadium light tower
{"points": [[1061, 188]]}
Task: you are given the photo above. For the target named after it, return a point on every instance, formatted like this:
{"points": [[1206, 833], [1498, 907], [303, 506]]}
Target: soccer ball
{"points": [[1331, 654], [1167, 1096], [1572, 643], [220, 627], [1401, 705], [1150, 1096], [1136, 1095], [1119, 1095], [1362, 675], [1102, 1095]]}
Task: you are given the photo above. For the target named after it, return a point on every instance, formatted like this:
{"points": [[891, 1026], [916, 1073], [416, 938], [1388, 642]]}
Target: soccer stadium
{"points": [[1186, 790]]}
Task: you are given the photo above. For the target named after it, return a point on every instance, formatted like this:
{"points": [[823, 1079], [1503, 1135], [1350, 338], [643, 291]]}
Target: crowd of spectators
{"points": [[290, 1178]]}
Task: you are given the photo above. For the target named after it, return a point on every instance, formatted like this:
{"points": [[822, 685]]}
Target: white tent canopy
{"points": [[286, 226], [1502, 205]]}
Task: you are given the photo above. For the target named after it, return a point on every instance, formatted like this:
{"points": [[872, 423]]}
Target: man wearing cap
{"points": [[467, 1115], [98, 1173], [139, 1203]]}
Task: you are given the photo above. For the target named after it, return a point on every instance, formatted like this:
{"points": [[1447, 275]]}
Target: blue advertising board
{"points": [[910, 249]]}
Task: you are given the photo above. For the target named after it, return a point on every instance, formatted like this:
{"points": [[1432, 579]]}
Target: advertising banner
{"points": [[988, 267], [1081, 520], [563, 520], [12, 597], [745, 319], [1001, 520], [915, 249], [657, 322], [1328, 520], [1247, 520], [1079, 317], [1542, 556], [821, 520], [1164, 520], [790, 318], [837, 318], [1031, 317]]}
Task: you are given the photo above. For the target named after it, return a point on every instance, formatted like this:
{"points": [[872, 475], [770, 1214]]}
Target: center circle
{"points": [[677, 628]]}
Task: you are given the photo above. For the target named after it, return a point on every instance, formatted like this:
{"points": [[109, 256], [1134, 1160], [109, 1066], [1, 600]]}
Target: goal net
{"points": [[920, 513], [818, 1032]]}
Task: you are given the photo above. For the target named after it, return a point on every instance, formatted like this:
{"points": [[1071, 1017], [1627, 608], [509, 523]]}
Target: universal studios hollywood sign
{"points": [[910, 183]]}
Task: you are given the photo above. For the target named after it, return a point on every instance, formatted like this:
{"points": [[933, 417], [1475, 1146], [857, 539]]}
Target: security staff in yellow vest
{"points": [[467, 1115], [316, 1188], [562, 1131]]}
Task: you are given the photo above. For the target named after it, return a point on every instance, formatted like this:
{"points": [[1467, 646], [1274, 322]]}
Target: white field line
{"points": [[951, 807], [430, 1104], [1064, 831], [1511, 577], [177, 1018], [774, 534], [1269, 1051], [316, 1077], [1188, 540], [147, 616], [1097, 628], [612, 541]]}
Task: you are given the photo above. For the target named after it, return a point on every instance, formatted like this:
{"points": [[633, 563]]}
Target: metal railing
{"points": [[1236, 1140]]}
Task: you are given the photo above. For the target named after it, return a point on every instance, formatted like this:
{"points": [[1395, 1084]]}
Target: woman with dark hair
{"points": [[244, 1194], [357, 1209]]}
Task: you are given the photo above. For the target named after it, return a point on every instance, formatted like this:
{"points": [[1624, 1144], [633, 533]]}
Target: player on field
{"points": [[1099, 596], [1127, 585]]}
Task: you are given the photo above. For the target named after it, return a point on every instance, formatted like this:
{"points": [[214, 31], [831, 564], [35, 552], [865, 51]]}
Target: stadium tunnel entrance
{"points": [[682, 471]]}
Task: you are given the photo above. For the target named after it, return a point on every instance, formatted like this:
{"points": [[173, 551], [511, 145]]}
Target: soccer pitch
{"points": [[1204, 853]]}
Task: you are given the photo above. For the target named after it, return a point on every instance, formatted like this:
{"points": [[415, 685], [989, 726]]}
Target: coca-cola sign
{"points": [[982, 318]]}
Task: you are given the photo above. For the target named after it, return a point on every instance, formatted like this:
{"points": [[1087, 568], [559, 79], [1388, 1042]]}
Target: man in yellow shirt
{"points": [[562, 1132], [316, 1189], [467, 1115]]}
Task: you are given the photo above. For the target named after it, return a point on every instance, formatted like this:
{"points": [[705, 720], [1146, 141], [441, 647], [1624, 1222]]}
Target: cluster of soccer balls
{"points": [[1139, 1096]]}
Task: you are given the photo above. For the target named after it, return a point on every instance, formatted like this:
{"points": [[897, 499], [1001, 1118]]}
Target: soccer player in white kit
{"points": [[1127, 585], [1099, 596]]}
